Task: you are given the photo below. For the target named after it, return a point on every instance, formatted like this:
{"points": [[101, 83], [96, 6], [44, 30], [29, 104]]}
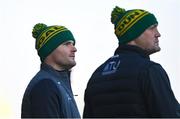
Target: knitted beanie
{"points": [[131, 24], [48, 38]]}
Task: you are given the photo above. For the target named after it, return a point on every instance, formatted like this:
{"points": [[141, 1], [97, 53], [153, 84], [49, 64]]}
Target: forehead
{"points": [[68, 41], [154, 25]]}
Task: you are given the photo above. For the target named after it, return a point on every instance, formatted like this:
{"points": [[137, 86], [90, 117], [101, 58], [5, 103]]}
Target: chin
{"points": [[70, 66], [73, 64], [158, 49]]}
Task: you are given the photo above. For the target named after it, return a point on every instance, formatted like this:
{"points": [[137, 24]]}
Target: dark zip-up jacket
{"points": [[49, 95], [129, 84]]}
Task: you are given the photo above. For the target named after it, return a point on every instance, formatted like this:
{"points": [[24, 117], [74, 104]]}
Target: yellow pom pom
{"points": [[115, 14], [38, 29]]}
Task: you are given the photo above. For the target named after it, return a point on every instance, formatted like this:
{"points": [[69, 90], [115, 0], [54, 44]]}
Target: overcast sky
{"points": [[89, 20]]}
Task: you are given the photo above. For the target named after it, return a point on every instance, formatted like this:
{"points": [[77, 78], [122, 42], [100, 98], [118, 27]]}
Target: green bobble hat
{"points": [[48, 38], [131, 24]]}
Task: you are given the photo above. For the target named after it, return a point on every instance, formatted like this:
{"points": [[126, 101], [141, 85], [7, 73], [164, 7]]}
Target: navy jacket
{"points": [[48, 95], [129, 84]]}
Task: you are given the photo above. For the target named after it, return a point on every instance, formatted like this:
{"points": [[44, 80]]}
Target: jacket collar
{"points": [[63, 76], [132, 49]]}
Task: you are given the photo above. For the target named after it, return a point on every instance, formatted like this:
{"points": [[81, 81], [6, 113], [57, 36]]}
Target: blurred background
{"points": [[89, 20]]}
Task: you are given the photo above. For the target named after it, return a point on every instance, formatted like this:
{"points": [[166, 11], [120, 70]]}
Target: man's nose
{"points": [[158, 34], [74, 48]]}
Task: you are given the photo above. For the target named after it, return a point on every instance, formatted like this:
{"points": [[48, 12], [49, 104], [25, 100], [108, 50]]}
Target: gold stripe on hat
{"points": [[48, 34], [129, 20]]}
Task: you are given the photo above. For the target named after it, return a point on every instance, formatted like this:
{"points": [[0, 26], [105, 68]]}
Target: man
{"points": [[129, 84], [49, 93]]}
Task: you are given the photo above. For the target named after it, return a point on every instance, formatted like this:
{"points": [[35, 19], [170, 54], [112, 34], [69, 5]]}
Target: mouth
{"points": [[72, 56], [157, 41]]}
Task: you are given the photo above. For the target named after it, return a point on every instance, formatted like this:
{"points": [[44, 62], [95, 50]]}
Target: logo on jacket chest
{"points": [[112, 65]]}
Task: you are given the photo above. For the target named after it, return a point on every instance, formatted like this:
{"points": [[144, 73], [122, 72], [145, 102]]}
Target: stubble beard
{"points": [[153, 50]]}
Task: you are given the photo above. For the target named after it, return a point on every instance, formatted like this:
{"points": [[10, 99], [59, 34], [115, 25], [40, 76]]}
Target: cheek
{"points": [[151, 41], [58, 55], [61, 52], [146, 43], [148, 39]]}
